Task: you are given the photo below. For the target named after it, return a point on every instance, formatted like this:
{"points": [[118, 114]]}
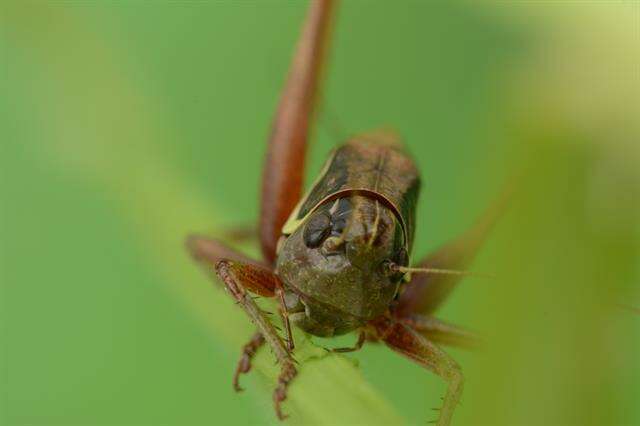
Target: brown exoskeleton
{"points": [[337, 259]]}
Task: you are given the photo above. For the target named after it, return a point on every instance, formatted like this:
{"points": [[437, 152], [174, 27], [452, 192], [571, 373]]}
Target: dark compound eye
{"points": [[338, 226], [317, 229]]}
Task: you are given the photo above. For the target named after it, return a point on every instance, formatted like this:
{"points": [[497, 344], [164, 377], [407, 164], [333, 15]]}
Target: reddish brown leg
{"points": [[416, 347], [208, 251], [239, 278], [439, 331], [283, 173], [359, 344], [287, 373], [248, 352], [426, 292]]}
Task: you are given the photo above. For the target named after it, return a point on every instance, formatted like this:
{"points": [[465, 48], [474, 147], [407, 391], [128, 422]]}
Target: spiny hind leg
{"points": [[406, 341], [283, 173], [427, 292], [442, 332]]}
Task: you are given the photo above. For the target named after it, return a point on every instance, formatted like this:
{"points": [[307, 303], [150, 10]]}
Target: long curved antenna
{"points": [[440, 271]]}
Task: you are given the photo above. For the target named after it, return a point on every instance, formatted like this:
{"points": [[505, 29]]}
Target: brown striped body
{"points": [[358, 215]]}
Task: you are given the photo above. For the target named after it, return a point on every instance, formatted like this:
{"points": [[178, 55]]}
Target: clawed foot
{"points": [[244, 365], [287, 374]]}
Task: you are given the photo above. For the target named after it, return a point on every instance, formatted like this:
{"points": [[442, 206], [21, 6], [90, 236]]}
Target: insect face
{"points": [[333, 265]]}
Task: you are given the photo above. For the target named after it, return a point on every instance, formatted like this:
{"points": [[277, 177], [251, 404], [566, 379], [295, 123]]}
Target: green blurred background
{"points": [[127, 125]]}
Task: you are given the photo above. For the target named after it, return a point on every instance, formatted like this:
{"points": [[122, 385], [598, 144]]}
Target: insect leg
{"points": [[208, 251], [359, 344], [439, 331], [285, 319], [248, 352], [241, 275], [416, 347], [239, 279], [283, 172], [426, 292]]}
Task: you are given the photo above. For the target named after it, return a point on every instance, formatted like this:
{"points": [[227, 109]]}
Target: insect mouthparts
{"points": [[332, 246]]}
